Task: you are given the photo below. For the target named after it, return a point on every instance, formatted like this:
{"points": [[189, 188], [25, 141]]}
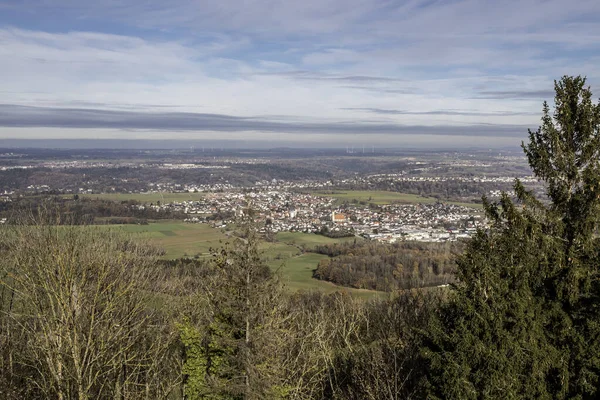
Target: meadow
{"points": [[180, 239], [309, 240], [287, 254]]}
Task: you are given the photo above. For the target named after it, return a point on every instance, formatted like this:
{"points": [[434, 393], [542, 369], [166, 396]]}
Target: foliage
{"points": [[228, 348], [74, 298], [387, 267], [83, 211], [523, 320]]}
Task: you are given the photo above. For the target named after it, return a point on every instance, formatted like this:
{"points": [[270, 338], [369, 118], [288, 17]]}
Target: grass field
{"points": [[179, 238], [145, 197], [283, 255], [383, 197], [296, 267], [309, 240], [297, 274]]}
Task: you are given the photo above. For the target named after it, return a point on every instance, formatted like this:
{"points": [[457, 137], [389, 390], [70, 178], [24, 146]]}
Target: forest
{"points": [[88, 313], [388, 267], [84, 211]]}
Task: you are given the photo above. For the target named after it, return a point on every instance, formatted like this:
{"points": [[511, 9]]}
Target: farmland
{"points": [[308, 240], [179, 239]]}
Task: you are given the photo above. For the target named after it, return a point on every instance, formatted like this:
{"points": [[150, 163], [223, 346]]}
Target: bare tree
{"points": [[80, 300]]}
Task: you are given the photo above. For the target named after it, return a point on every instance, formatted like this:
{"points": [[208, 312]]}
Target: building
{"points": [[338, 217]]}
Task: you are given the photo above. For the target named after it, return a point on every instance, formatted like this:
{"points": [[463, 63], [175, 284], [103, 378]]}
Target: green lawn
{"points": [[145, 197], [278, 251], [383, 197]]}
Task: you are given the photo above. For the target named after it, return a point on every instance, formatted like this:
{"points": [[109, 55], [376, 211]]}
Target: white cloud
{"points": [[303, 60]]}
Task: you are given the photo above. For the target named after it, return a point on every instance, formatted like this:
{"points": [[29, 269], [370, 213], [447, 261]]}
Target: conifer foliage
{"points": [[231, 340], [523, 321]]}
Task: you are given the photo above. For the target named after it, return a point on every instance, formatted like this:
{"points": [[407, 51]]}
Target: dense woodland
{"points": [[87, 313], [79, 211], [91, 314], [387, 267]]}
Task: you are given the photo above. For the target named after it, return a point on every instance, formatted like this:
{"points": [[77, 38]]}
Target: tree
{"points": [[77, 301], [230, 343], [523, 321]]}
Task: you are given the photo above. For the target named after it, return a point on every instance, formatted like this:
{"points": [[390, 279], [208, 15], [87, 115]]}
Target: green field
{"points": [[145, 197], [179, 238], [284, 255], [297, 274], [296, 267], [381, 197], [309, 240]]}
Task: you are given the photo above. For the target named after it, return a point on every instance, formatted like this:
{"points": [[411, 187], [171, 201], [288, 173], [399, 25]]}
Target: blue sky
{"points": [[415, 73]]}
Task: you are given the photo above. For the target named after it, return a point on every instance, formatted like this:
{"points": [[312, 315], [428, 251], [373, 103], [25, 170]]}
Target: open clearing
{"points": [[310, 240], [284, 255], [297, 274], [180, 239], [381, 197]]}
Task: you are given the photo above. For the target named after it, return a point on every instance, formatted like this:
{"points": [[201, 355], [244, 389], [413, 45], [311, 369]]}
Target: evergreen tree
{"points": [[228, 349], [523, 321]]}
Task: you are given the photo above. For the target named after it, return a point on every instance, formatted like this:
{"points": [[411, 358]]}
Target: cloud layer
{"points": [[29, 117], [466, 67]]}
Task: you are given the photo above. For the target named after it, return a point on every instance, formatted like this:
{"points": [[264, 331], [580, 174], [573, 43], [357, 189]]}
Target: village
{"points": [[287, 211]]}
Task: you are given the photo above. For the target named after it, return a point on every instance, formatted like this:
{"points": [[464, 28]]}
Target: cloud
{"points": [[344, 80], [320, 76], [517, 94], [396, 65], [27, 117], [440, 112]]}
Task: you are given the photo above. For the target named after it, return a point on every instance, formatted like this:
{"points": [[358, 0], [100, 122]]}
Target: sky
{"points": [[335, 73]]}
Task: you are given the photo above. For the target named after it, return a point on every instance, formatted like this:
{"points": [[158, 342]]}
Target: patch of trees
{"points": [[338, 233], [386, 267], [11, 179], [89, 314], [448, 190], [280, 171], [81, 211], [75, 316], [221, 215]]}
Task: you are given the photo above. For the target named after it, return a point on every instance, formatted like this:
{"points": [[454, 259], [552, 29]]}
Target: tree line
{"points": [[387, 267], [85, 211]]}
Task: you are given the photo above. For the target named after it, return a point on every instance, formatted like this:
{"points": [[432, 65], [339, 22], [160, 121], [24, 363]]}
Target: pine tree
{"points": [[229, 352], [523, 321]]}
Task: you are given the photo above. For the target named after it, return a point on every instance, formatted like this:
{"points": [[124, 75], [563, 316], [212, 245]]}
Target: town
{"points": [[285, 211]]}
